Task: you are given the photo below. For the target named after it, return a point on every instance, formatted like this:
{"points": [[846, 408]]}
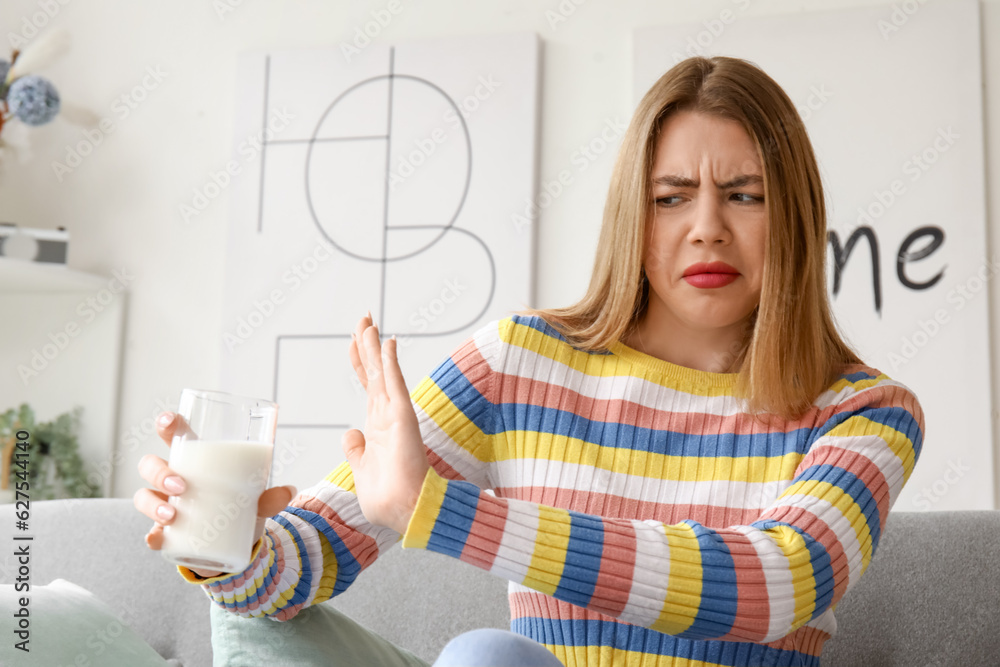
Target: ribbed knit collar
{"points": [[671, 370]]}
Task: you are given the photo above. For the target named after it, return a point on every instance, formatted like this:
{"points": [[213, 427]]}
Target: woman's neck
{"points": [[715, 350]]}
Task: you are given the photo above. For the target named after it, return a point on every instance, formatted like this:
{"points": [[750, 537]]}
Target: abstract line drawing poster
{"points": [[892, 99], [386, 180]]}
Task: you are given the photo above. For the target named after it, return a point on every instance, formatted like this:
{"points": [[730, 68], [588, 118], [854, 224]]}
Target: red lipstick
{"points": [[709, 275]]}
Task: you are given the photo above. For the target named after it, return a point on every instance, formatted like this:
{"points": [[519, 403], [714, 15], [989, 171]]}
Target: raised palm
{"points": [[388, 459]]}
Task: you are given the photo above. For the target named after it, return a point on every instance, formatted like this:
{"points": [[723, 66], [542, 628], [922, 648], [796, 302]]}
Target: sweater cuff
{"points": [[190, 576], [425, 513]]}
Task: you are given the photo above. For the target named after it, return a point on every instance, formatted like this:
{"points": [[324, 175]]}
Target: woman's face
{"points": [[708, 208]]}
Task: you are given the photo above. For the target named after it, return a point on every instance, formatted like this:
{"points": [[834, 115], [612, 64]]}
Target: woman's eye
{"points": [[740, 198]]}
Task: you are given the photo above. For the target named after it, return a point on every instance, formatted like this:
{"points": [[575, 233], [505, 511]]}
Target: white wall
{"points": [[121, 204]]}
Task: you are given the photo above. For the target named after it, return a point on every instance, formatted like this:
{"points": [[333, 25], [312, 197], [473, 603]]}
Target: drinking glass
{"points": [[223, 453]]}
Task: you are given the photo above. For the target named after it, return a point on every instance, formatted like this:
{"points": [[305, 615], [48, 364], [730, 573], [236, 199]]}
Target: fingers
{"points": [[355, 356], [353, 444], [154, 505], [274, 500], [373, 364], [169, 424], [356, 351], [394, 382], [154, 538], [154, 470]]}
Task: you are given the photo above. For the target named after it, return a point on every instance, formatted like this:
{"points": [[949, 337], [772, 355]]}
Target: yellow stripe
{"points": [[589, 364], [847, 506], [608, 656], [343, 477], [546, 446], [450, 419], [800, 565], [684, 582], [328, 578], [549, 556], [426, 511], [900, 445], [857, 385]]}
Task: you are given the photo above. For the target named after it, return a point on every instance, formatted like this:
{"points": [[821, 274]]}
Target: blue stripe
{"points": [[523, 417], [852, 486], [717, 608], [819, 559], [348, 566], [624, 637], [453, 384], [583, 559], [305, 572], [455, 518], [857, 377], [897, 418], [538, 324], [269, 575]]}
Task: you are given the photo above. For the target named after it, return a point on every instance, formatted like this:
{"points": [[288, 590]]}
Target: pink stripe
{"points": [[858, 465], [613, 506], [486, 532], [614, 579], [528, 391], [753, 610], [819, 530], [363, 547]]}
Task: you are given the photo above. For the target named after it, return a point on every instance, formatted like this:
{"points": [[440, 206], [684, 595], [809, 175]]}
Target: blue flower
{"points": [[33, 100]]}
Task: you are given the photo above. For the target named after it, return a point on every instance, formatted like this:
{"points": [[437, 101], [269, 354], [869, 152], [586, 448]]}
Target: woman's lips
{"points": [[710, 280]]}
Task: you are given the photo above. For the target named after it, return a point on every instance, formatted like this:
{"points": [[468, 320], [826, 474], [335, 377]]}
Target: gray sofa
{"points": [[931, 596]]}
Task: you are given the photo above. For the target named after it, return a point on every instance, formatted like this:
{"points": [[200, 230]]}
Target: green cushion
{"points": [[317, 635], [68, 625]]}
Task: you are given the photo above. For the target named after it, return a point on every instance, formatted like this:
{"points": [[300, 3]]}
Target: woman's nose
{"points": [[707, 224]]}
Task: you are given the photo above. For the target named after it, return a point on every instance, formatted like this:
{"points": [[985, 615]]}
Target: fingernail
{"points": [[165, 512], [166, 418], [174, 484]]}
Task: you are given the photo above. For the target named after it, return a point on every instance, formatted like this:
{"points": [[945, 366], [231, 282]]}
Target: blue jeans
{"points": [[489, 647]]}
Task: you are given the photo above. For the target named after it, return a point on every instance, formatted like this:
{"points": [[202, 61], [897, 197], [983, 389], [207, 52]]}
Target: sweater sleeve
{"points": [[315, 548], [756, 582]]}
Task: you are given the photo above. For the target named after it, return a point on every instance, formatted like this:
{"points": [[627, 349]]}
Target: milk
{"points": [[216, 515]]}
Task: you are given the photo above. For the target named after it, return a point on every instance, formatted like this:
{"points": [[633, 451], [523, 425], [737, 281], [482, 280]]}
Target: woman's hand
{"points": [[153, 502], [388, 460]]}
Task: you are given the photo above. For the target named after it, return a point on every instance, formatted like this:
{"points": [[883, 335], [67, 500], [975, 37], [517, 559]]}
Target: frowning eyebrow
{"points": [[685, 182]]}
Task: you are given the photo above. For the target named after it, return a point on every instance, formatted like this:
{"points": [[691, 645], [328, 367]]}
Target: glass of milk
{"points": [[224, 456]]}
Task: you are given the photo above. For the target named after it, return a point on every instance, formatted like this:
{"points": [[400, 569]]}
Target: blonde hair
{"points": [[792, 351]]}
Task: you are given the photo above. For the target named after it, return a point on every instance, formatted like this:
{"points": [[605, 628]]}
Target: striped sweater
{"points": [[639, 515]]}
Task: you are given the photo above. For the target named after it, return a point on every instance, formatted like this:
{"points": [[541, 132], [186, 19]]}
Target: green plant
{"points": [[55, 469]]}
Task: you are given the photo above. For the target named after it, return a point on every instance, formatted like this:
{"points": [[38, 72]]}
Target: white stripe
{"points": [[345, 505], [778, 575], [311, 538], [489, 344], [249, 586], [456, 456], [575, 477], [875, 449], [531, 365], [826, 622], [649, 578], [518, 541], [838, 523]]}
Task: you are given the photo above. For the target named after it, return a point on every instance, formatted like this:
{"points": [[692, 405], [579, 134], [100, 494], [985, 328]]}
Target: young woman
{"points": [[689, 466]]}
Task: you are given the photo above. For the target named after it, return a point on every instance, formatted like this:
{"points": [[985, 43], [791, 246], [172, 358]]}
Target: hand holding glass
{"points": [[220, 455]]}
